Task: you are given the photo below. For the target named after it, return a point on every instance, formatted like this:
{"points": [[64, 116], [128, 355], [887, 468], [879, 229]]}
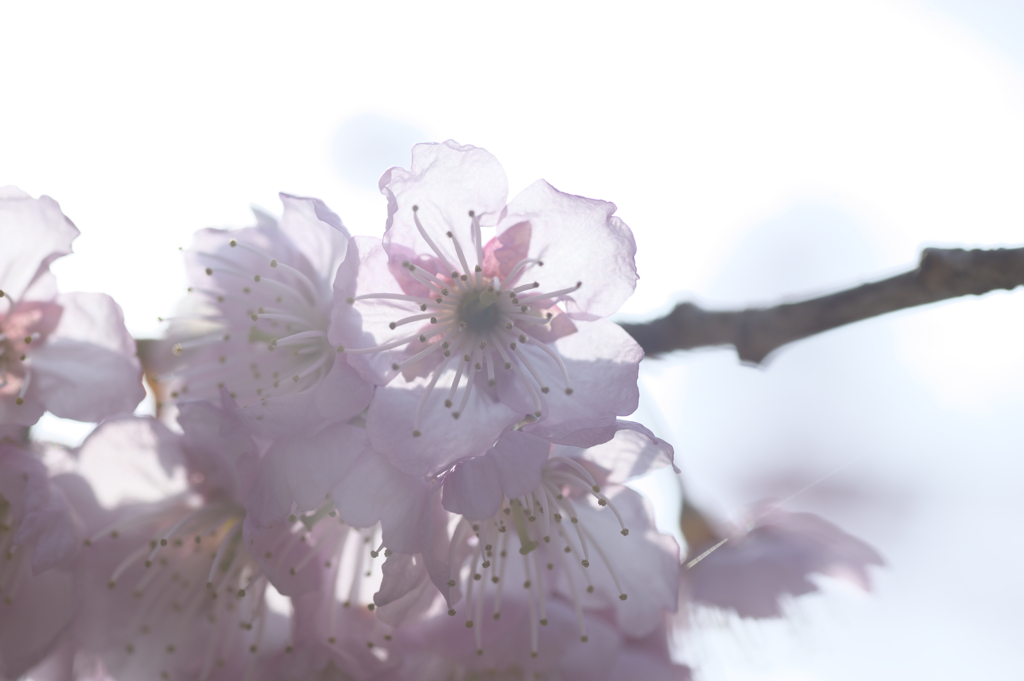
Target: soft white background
{"points": [[759, 150]]}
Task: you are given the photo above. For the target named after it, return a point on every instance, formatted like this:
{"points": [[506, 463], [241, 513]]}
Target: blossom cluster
{"points": [[379, 458]]}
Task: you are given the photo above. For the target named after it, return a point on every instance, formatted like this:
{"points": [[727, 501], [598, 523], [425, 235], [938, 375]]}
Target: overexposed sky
{"points": [[760, 151]]}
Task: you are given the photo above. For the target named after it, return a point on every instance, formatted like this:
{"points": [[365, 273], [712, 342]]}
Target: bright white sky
{"points": [[758, 150]]}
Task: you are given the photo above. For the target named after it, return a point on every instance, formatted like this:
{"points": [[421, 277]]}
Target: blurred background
{"points": [[761, 152]]}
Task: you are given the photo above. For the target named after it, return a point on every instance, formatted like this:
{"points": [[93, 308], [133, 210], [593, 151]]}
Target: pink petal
{"points": [[339, 396], [645, 562], [34, 233], [59, 665], [446, 181], [368, 325], [632, 451], [579, 240], [221, 457], [474, 488], [752, 572], [55, 530], [443, 439], [283, 558], [330, 636], [87, 370], [303, 470], [374, 491], [37, 615], [603, 363], [316, 232], [45, 524], [131, 458], [503, 252], [406, 592], [317, 463], [270, 499]]}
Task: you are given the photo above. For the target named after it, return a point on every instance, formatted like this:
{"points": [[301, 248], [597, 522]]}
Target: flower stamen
{"points": [[426, 237]]}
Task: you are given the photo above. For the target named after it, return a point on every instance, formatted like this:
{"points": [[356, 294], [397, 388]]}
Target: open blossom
{"points": [[64, 353], [262, 299], [472, 337], [594, 544], [176, 588]]}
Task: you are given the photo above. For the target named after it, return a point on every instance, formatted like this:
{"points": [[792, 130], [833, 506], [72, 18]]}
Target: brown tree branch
{"points": [[757, 332]]}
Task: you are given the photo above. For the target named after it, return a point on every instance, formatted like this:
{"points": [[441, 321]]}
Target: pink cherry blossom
{"points": [[64, 353], [256, 322], [751, 569], [471, 338], [593, 544], [178, 586], [158, 604], [599, 556]]}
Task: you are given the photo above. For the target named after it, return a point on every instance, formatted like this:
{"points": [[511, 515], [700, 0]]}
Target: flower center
{"points": [[479, 312], [269, 336], [200, 594], [477, 325]]}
